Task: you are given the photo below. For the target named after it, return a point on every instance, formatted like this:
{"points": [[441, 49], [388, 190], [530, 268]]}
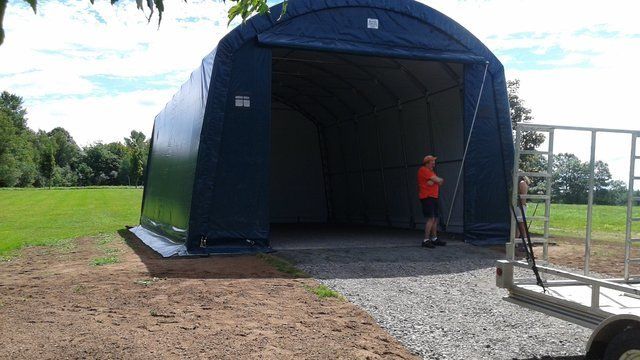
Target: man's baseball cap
{"points": [[428, 158]]}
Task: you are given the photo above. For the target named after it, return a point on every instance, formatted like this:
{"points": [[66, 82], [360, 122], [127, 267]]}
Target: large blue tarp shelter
{"points": [[324, 115]]}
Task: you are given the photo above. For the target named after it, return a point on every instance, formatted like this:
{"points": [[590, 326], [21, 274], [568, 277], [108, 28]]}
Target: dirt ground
{"points": [[55, 304], [606, 257]]}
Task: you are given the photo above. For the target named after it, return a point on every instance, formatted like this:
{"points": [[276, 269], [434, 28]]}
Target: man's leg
{"points": [[520, 230], [434, 228], [427, 231]]}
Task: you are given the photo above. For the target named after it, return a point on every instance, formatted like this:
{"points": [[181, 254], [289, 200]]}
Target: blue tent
{"points": [[324, 115]]}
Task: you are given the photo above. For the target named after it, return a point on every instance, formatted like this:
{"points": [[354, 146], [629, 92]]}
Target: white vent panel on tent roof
{"points": [[243, 101]]}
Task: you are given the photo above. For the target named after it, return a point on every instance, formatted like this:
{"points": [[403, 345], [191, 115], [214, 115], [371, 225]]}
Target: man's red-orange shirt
{"points": [[424, 189]]}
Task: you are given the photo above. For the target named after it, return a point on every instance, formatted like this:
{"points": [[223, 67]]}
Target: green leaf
{"points": [[33, 4], [150, 6], [233, 12], [3, 5], [284, 9], [160, 7]]}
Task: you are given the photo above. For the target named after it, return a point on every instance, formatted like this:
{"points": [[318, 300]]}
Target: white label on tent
{"points": [[243, 101], [372, 23]]}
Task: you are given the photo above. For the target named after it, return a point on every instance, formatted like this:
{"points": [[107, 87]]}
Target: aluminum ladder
{"points": [[632, 199], [547, 175]]}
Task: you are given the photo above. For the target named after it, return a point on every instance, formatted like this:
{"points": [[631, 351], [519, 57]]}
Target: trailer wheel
{"points": [[624, 346]]}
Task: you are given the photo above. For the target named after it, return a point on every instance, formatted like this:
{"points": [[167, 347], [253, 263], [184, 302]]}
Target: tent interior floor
{"points": [[342, 236]]}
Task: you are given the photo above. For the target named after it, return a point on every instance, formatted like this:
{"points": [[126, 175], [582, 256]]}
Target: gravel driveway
{"points": [[441, 303]]}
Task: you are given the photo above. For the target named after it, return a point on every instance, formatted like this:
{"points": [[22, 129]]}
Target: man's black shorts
{"points": [[429, 207]]}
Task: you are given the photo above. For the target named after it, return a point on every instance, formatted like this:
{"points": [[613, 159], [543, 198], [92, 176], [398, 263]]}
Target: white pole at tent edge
{"points": [[464, 156]]}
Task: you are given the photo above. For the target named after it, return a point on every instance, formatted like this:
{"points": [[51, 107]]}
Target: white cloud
{"points": [[576, 61], [49, 59], [100, 118]]}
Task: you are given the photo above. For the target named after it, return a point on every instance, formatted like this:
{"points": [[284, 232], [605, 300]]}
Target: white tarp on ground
{"points": [[159, 244]]}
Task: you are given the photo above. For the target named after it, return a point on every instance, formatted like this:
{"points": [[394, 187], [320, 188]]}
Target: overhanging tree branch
{"points": [[242, 8]]}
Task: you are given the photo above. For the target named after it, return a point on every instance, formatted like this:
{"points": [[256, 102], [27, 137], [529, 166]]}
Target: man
{"points": [[428, 189]]}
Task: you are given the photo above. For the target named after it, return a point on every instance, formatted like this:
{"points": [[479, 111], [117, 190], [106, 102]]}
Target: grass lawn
{"points": [[47, 217], [568, 220]]}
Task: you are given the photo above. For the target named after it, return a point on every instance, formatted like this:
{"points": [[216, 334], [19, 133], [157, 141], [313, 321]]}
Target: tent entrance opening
{"points": [[348, 134]]}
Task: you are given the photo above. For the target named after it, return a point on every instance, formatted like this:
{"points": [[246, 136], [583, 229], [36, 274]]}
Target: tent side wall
{"points": [[230, 208], [172, 160], [489, 158]]}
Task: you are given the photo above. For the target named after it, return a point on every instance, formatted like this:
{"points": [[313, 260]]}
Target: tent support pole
{"points": [[403, 140], [346, 175], [396, 167], [324, 159], [372, 75], [452, 74], [342, 80], [380, 159], [405, 102], [414, 80], [466, 147], [365, 207], [431, 148]]}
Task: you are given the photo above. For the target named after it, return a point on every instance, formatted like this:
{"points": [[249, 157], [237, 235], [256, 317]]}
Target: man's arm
{"points": [[523, 188], [436, 179]]}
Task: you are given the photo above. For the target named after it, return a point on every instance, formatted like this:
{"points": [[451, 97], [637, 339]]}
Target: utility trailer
{"points": [[611, 307]]}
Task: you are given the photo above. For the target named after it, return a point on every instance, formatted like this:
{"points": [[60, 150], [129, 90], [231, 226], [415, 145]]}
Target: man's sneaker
{"points": [[438, 242], [428, 244]]}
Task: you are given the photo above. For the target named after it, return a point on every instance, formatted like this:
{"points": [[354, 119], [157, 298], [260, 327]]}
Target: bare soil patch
{"points": [[606, 257], [55, 304]]}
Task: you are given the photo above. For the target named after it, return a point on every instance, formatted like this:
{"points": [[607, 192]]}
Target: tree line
{"points": [[45, 159], [53, 158], [570, 175]]}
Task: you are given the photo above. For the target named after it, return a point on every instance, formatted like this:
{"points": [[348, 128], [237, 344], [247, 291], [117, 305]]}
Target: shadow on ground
{"points": [[553, 358], [351, 252], [205, 267]]}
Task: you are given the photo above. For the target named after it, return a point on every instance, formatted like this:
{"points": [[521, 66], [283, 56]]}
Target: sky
{"points": [[101, 71]]}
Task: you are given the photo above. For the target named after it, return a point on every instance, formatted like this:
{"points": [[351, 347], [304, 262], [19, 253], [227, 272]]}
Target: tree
{"points": [[85, 174], [571, 182], [11, 105], [54, 159], [530, 140], [104, 162], [48, 164], [17, 154], [66, 151], [242, 8], [520, 114], [616, 194], [138, 150]]}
